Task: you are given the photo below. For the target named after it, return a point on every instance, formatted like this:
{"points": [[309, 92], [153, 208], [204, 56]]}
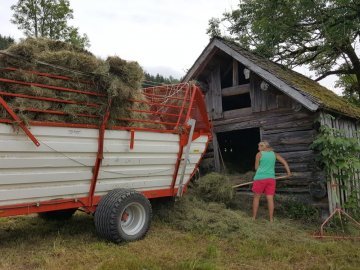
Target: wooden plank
{"points": [[291, 148], [296, 137], [307, 122], [280, 130], [299, 156], [236, 90], [238, 113], [235, 74], [266, 118], [295, 167], [271, 100], [237, 126], [209, 103], [215, 88], [216, 153], [267, 76], [255, 94]]}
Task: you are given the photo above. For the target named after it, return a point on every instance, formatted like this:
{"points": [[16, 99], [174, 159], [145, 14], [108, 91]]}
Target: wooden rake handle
{"points": [[249, 183]]}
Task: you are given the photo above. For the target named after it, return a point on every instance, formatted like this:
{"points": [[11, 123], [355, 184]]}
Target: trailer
{"points": [[111, 171]]}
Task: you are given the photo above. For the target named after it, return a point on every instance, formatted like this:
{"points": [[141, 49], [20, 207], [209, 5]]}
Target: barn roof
{"points": [[304, 90]]}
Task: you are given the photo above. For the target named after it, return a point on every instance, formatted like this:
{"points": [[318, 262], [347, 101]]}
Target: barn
{"points": [[250, 98]]}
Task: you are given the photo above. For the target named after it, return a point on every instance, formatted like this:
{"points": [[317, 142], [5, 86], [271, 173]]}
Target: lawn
{"points": [[191, 235]]}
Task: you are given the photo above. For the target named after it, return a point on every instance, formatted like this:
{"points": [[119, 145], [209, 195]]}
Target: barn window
{"points": [[238, 149], [236, 102]]}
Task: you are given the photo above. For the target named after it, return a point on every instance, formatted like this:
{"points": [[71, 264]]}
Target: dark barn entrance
{"points": [[238, 149]]}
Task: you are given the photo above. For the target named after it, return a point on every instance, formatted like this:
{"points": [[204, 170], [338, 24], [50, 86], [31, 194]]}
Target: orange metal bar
{"points": [[144, 129], [74, 125], [57, 112], [191, 102], [53, 205], [60, 77], [165, 87], [155, 113], [19, 122], [155, 103], [132, 139], [53, 87], [49, 99], [146, 121], [165, 97], [61, 124], [182, 108], [100, 155]]}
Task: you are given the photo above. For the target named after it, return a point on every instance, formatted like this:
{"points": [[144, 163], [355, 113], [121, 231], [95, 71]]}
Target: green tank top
{"points": [[266, 167]]}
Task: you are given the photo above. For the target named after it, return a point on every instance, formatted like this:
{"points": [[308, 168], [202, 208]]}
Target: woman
{"points": [[264, 179]]}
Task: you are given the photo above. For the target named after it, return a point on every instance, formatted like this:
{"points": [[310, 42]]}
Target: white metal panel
{"points": [[62, 166]]}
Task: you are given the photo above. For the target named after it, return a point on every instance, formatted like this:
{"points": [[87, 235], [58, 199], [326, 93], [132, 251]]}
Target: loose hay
{"points": [[214, 187], [118, 79]]}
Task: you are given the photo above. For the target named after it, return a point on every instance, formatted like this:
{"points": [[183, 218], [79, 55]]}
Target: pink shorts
{"points": [[266, 186]]}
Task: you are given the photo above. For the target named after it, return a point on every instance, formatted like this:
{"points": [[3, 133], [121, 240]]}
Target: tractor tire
{"points": [[58, 215], [123, 215]]}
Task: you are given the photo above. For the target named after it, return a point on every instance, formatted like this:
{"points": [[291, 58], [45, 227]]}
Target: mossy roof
{"points": [[312, 90]]}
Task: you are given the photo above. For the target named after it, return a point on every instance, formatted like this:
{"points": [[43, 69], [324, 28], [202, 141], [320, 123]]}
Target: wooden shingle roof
{"points": [[301, 88]]}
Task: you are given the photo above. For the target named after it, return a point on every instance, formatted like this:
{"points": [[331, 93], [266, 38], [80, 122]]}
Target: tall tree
{"points": [[322, 34], [5, 42], [47, 18]]}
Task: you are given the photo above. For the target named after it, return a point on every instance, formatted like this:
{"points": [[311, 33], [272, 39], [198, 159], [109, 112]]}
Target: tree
{"points": [[322, 34], [151, 80], [47, 18], [5, 42]]}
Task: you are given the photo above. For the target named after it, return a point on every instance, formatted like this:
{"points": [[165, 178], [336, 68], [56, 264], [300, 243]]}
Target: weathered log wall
{"points": [[289, 128]]}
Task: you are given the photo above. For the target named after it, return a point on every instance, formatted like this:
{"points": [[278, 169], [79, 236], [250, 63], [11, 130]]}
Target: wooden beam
{"points": [[237, 113], [216, 153], [235, 74], [201, 62], [266, 75], [236, 90], [215, 88], [238, 126]]}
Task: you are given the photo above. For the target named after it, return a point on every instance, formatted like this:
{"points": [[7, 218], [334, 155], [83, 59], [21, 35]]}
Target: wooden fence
{"points": [[336, 194]]}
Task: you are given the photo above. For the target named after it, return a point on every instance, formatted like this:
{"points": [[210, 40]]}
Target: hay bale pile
{"points": [[117, 79]]}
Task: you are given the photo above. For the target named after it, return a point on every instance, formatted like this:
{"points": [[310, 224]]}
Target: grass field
{"points": [[192, 235]]}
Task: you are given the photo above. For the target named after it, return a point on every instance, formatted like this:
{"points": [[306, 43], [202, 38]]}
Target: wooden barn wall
{"points": [[288, 127], [351, 130]]}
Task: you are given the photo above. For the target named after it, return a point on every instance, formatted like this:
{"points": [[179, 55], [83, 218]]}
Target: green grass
{"points": [[192, 235]]}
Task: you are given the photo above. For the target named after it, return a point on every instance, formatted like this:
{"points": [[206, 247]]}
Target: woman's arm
{"points": [[257, 160], [283, 162]]}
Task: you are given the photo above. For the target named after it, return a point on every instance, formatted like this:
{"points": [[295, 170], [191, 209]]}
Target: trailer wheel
{"points": [[123, 215], [58, 215]]}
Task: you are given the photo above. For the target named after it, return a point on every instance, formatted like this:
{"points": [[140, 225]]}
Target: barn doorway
{"points": [[238, 149]]}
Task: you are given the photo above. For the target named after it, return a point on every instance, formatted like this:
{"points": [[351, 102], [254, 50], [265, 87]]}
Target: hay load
{"points": [[94, 80]]}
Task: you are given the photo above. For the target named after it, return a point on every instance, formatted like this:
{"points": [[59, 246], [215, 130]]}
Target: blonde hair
{"points": [[265, 144]]}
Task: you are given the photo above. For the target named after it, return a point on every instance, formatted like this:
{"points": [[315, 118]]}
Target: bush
{"points": [[294, 209]]}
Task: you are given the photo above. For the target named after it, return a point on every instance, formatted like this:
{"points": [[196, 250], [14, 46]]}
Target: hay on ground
{"points": [[214, 187]]}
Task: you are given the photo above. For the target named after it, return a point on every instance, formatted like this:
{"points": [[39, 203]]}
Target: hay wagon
{"points": [[56, 167]]}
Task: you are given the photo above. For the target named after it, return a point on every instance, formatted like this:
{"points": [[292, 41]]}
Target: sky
{"points": [[163, 36]]}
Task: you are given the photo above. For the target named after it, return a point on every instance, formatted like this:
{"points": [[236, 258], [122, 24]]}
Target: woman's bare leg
{"points": [[270, 202], [256, 201]]}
